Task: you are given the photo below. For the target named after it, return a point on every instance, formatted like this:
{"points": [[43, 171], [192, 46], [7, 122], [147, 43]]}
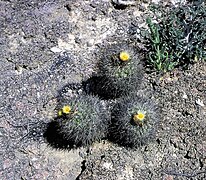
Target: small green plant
{"points": [[134, 120], [158, 56], [176, 36], [82, 120]]}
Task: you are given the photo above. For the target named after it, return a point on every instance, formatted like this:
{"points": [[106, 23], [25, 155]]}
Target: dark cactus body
{"points": [[134, 120]]}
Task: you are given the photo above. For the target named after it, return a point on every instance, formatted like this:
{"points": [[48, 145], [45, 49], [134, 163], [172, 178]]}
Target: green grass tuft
{"points": [[175, 36]]}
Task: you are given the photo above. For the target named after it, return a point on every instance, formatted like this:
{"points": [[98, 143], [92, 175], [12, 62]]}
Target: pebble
{"points": [[55, 49], [123, 2], [200, 103], [184, 96]]}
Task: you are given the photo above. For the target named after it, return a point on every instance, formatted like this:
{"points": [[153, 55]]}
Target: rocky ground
{"points": [[44, 45]]}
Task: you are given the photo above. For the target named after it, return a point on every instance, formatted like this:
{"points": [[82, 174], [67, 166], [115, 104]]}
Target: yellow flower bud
{"points": [[60, 113], [124, 56]]}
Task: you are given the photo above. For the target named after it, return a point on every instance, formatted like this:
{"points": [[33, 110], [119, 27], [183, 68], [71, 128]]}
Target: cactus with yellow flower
{"points": [[120, 71], [134, 120], [82, 120]]}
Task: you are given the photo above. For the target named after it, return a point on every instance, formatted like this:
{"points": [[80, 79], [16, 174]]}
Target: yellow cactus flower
{"points": [[124, 56], [66, 109], [139, 117]]}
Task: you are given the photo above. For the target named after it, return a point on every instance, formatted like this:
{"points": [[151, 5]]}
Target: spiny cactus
{"points": [[82, 120], [134, 120], [120, 71]]}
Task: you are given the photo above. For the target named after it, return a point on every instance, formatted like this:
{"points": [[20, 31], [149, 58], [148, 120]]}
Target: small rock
{"points": [[168, 177], [200, 103], [184, 96], [123, 2], [55, 49], [18, 69]]}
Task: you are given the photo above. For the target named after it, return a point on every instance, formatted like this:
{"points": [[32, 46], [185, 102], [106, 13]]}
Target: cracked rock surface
{"points": [[44, 45]]}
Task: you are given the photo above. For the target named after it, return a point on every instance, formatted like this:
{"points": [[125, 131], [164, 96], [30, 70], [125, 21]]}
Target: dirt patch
{"points": [[46, 45]]}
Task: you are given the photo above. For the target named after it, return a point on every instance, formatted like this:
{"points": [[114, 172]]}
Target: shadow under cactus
{"points": [[98, 86], [55, 139]]}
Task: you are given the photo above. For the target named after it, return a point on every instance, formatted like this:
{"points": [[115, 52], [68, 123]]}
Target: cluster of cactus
{"points": [[82, 120]]}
